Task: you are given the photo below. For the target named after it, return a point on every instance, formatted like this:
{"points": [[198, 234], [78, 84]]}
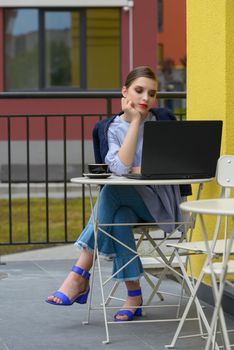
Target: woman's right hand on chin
{"points": [[130, 113]]}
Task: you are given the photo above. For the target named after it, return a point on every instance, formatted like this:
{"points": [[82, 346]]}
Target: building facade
{"points": [[78, 45], [73, 45]]}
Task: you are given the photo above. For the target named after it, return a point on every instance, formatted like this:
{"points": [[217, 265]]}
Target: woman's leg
{"points": [[132, 272], [75, 284], [132, 302], [124, 234], [111, 199]]}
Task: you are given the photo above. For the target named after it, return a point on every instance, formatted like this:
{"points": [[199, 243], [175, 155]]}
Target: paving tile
{"points": [[28, 323]]}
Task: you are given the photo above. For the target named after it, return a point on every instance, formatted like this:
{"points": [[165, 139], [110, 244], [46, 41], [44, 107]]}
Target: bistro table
{"points": [[99, 181]]}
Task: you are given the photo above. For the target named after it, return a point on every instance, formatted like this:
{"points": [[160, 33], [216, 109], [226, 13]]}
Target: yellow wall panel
{"points": [[210, 77]]}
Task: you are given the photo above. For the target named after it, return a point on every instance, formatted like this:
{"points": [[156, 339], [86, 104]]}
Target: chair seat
{"points": [[219, 206], [218, 266], [200, 246], [149, 262]]}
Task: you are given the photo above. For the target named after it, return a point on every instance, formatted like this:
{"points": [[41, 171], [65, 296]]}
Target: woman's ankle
{"points": [[85, 260], [133, 285]]}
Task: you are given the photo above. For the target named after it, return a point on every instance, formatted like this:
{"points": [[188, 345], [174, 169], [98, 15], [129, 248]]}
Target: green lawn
{"points": [[38, 222]]}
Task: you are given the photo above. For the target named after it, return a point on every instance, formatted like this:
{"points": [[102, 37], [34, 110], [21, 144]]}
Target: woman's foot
{"points": [[73, 286], [131, 304]]}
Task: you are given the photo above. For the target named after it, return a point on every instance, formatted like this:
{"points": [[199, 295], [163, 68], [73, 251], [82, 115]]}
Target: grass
{"points": [[38, 222]]}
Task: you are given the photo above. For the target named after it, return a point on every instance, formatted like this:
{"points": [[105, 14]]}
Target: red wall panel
{"points": [[145, 33], [55, 124]]}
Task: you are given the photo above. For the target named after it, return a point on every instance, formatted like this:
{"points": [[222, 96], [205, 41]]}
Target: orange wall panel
{"points": [[173, 36]]}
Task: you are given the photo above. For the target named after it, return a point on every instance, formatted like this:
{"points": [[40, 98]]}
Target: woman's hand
{"points": [[136, 170], [130, 113]]}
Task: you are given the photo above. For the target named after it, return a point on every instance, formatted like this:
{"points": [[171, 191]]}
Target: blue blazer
{"points": [[100, 139]]}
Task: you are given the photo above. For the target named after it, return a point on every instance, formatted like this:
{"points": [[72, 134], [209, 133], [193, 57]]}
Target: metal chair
{"points": [[212, 248]]}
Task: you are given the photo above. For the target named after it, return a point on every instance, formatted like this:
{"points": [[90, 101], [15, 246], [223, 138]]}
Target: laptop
{"points": [[180, 150]]}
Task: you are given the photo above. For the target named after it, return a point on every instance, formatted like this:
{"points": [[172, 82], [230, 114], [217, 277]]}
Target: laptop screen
{"points": [[183, 149]]}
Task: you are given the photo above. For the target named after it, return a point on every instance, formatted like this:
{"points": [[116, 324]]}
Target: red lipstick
{"points": [[143, 105]]}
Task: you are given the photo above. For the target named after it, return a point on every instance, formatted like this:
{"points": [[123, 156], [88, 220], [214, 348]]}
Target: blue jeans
{"points": [[118, 204]]}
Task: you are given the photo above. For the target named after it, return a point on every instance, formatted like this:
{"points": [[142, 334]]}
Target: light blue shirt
{"points": [[161, 201], [116, 135]]}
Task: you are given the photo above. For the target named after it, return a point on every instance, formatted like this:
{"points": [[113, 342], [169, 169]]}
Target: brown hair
{"points": [[138, 72]]}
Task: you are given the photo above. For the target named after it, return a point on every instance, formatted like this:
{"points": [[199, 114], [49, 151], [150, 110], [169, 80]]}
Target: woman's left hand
{"points": [[136, 170]]}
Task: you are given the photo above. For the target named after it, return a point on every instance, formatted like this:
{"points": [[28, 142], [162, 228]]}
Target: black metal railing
{"points": [[10, 177]]}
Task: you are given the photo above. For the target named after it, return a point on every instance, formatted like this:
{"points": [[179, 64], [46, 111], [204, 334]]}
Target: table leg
{"points": [[96, 259]]}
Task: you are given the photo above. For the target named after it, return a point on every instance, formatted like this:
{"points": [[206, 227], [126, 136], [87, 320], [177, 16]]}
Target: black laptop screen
{"points": [[183, 148]]}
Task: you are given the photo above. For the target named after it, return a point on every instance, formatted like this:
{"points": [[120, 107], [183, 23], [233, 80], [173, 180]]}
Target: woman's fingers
{"points": [[129, 110], [126, 104], [136, 170]]}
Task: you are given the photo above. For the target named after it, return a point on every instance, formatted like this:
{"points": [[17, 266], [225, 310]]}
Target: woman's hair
{"points": [[139, 72]]}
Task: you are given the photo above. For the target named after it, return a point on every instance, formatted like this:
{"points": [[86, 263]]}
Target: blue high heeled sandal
{"points": [[128, 313], [81, 299]]}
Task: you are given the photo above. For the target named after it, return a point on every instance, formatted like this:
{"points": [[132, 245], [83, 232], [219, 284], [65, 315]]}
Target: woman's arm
{"points": [[128, 148], [122, 141], [115, 137]]}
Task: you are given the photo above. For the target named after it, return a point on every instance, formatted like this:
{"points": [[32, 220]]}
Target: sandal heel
{"points": [[138, 312], [82, 299]]}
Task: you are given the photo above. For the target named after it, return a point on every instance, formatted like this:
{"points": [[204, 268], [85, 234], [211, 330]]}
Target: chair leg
{"points": [[193, 298], [152, 285], [112, 292]]}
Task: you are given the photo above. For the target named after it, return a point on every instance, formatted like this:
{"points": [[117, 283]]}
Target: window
{"points": [[21, 49], [103, 43], [62, 49]]}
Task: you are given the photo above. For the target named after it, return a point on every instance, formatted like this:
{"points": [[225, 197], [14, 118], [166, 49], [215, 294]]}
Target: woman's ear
{"points": [[124, 91]]}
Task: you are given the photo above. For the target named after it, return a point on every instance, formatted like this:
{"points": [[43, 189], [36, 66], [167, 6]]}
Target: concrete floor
{"points": [[28, 323]]}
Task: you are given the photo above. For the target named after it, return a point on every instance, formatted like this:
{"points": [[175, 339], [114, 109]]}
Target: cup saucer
{"points": [[97, 176]]}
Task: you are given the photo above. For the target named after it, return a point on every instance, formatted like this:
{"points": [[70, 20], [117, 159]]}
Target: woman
{"points": [[120, 204]]}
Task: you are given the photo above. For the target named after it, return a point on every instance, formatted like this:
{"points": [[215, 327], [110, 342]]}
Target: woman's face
{"points": [[142, 94]]}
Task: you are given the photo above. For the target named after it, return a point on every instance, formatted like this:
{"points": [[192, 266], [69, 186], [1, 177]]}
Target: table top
{"points": [[121, 180], [218, 206]]}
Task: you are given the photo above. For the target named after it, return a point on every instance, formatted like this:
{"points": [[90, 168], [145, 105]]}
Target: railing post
{"points": [[109, 107]]}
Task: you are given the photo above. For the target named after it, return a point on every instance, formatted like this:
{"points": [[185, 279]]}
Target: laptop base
{"points": [[166, 176]]}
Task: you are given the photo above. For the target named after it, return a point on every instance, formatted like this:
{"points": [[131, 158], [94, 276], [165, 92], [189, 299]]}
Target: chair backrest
{"points": [[225, 173]]}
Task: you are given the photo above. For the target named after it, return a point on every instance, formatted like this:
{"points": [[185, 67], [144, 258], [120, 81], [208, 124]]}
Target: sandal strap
{"points": [[134, 293], [81, 272]]}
